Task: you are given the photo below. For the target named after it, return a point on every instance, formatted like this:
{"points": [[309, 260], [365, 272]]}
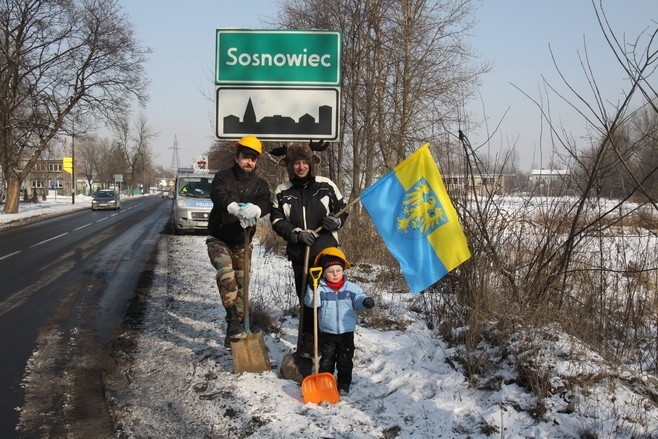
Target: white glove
{"points": [[246, 213], [248, 222], [251, 211], [233, 208]]}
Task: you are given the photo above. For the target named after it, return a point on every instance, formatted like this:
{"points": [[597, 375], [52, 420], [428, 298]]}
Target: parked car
{"points": [[192, 203], [106, 199]]}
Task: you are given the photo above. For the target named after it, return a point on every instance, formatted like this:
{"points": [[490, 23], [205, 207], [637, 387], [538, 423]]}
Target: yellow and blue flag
{"points": [[413, 214]]}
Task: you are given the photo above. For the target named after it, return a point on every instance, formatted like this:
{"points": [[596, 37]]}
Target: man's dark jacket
{"points": [[234, 184]]}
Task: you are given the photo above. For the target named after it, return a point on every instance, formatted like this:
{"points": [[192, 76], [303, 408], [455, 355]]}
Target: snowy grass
{"points": [[177, 381]]}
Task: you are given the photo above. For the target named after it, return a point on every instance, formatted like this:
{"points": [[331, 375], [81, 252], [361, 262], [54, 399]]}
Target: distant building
{"points": [[479, 184], [48, 177], [549, 181]]}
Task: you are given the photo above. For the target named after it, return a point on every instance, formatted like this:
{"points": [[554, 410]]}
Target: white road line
{"points": [[82, 227], [17, 299], [9, 255], [48, 240]]}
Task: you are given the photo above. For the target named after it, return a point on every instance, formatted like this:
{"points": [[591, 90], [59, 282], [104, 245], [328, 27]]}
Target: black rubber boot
{"points": [[234, 328], [307, 348]]}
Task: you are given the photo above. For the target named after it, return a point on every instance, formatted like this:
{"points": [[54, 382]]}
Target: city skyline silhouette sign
{"points": [[278, 57], [275, 113]]}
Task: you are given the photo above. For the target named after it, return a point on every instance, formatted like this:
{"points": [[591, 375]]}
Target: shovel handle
{"points": [[315, 275], [316, 272], [245, 281]]}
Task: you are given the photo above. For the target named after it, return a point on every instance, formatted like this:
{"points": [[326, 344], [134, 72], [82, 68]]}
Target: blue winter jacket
{"points": [[337, 309]]}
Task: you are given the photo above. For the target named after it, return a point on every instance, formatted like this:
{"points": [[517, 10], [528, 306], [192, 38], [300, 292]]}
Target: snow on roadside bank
{"points": [[175, 378], [31, 212]]}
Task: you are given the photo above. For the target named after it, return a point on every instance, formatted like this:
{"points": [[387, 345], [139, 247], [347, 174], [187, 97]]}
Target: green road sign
{"points": [[271, 57]]}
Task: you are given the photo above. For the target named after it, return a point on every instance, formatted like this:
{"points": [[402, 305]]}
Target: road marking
{"points": [[9, 255], [47, 240], [19, 298], [82, 227], [102, 219]]}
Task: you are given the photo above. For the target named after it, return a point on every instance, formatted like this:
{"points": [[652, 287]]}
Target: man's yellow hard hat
{"points": [[250, 142]]}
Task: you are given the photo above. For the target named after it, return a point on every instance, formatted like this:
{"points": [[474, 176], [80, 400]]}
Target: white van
{"points": [[192, 203]]}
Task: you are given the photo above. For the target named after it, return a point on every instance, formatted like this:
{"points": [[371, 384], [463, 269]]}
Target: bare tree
{"points": [[572, 260], [116, 164], [136, 150], [644, 133], [406, 68], [56, 57], [92, 153]]}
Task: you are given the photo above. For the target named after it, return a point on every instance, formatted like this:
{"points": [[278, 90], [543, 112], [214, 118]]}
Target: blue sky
{"points": [[181, 67], [512, 35]]}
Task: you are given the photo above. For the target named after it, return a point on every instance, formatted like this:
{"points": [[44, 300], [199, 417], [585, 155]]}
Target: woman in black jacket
{"points": [[301, 206]]}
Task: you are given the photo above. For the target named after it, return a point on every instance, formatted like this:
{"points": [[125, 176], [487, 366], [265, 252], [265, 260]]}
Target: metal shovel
{"points": [[249, 353], [318, 387]]}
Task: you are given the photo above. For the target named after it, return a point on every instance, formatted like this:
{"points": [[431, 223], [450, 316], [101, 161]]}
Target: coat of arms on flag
{"points": [[421, 210]]}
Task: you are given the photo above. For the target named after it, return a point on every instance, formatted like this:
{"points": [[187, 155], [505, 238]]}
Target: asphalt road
{"points": [[65, 285]]}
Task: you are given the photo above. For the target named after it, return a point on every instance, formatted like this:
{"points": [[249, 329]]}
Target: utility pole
{"points": [[175, 163], [73, 161], [75, 116]]}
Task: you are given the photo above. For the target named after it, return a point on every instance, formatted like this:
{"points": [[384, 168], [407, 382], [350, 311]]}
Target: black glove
{"points": [[331, 223], [307, 237], [368, 303]]}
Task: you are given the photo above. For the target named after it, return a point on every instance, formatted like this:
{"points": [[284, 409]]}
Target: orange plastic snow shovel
{"points": [[319, 386], [249, 353]]}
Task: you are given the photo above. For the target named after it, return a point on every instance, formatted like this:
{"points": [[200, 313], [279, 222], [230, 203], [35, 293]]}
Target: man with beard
{"points": [[239, 198]]}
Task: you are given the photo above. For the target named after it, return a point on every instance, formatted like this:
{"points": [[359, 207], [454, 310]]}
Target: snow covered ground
{"points": [[174, 377]]}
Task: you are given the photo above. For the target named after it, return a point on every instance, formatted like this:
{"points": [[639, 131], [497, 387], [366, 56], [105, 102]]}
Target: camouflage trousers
{"points": [[229, 263]]}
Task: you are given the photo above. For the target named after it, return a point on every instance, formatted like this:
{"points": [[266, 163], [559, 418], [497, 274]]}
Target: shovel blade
{"points": [[250, 354], [320, 387]]}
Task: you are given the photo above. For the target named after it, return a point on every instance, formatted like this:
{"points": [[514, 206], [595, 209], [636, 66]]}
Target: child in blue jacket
{"points": [[338, 301]]}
